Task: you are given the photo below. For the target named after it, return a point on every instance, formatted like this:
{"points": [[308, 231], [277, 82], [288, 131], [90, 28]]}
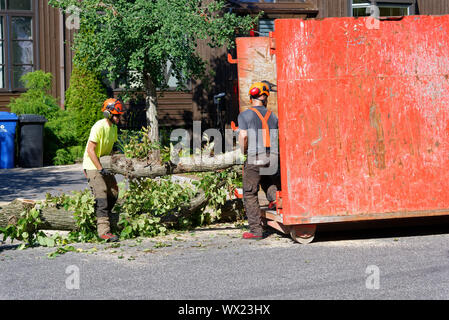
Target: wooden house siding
{"points": [[174, 109], [50, 47], [333, 8], [219, 76], [5, 98], [68, 53], [341, 8], [433, 7]]}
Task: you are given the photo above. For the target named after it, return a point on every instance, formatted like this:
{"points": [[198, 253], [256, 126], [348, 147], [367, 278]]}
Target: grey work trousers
{"points": [[105, 191], [252, 179]]}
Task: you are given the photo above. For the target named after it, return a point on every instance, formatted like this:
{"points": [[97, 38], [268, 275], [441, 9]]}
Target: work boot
{"points": [[104, 230]]}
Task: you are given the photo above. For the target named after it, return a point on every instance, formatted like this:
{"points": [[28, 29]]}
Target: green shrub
{"points": [[61, 144], [59, 139], [37, 99], [68, 155], [84, 99]]}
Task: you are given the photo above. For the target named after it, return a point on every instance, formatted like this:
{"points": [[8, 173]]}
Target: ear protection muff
{"points": [[107, 114], [255, 92]]}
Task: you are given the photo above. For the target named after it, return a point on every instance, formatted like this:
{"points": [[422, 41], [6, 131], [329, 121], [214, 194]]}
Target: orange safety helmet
{"points": [[258, 89], [112, 106]]}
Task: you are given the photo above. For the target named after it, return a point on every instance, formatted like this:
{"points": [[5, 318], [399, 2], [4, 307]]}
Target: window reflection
{"points": [[22, 28], [19, 4]]}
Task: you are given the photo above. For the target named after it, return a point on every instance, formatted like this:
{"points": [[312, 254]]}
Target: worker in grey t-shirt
{"points": [[258, 139]]}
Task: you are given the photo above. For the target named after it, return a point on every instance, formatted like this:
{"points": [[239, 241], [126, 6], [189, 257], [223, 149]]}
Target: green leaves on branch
{"points": [[142, 206], [139, 36], [82, 204], [137, 144], [147, 201], [25, 228]]}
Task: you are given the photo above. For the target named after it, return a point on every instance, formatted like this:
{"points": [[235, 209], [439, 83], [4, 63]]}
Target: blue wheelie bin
{"points": [[8, 123]]}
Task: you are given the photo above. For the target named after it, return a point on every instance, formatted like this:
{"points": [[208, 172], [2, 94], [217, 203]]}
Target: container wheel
{"points": [[303, 234]]}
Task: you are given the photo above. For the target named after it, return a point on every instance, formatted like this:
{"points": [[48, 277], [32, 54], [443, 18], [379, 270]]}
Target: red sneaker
{"points": [[109, 237], [238, 193], [251, 236]]}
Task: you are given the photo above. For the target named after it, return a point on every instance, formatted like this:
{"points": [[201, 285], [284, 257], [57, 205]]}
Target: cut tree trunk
{"points": [[53, 218], [152, 121], [134, 168]]}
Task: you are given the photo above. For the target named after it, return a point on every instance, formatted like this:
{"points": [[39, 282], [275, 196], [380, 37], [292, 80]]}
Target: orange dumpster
{"points": [[363, 118]]}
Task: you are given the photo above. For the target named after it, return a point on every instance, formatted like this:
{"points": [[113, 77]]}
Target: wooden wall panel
{"points": [[50, 46], [433, 7], [333, 8], [340, 8], [175, 109], [5, 99], [219, 77]]}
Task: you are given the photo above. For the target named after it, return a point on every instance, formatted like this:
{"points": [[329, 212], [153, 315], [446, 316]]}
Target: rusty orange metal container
{"points": [[363, 111], [255, 62]]}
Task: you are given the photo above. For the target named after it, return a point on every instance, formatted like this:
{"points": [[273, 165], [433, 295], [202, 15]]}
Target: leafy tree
{"points": [[136, 38]]}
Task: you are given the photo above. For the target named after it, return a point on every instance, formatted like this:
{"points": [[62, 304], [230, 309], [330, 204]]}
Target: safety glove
{"points": [[105, 172]]}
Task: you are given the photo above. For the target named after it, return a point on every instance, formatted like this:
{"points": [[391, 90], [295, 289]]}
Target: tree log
{"points": [[53, 218], [134, 168]]}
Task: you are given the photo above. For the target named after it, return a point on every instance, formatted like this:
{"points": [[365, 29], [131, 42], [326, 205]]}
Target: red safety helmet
{"points": [[258, 89], [112, 106]]}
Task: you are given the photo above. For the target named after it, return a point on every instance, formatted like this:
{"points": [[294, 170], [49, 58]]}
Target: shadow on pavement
{"points": [[6, 247], [35, 183], [399, 228]]}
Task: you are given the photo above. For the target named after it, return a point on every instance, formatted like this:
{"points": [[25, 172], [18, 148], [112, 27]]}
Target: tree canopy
{"points": [[134, 38], [132, 42]]}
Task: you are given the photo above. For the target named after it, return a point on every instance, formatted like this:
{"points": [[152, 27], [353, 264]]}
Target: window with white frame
{"points": [[17, 42], [362, 8]]}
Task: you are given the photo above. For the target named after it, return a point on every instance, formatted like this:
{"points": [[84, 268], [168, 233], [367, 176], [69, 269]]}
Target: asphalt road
{"points": [[410, 262]]}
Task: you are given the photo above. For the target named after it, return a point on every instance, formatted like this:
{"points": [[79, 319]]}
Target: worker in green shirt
{"points": [[104, 187]]}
